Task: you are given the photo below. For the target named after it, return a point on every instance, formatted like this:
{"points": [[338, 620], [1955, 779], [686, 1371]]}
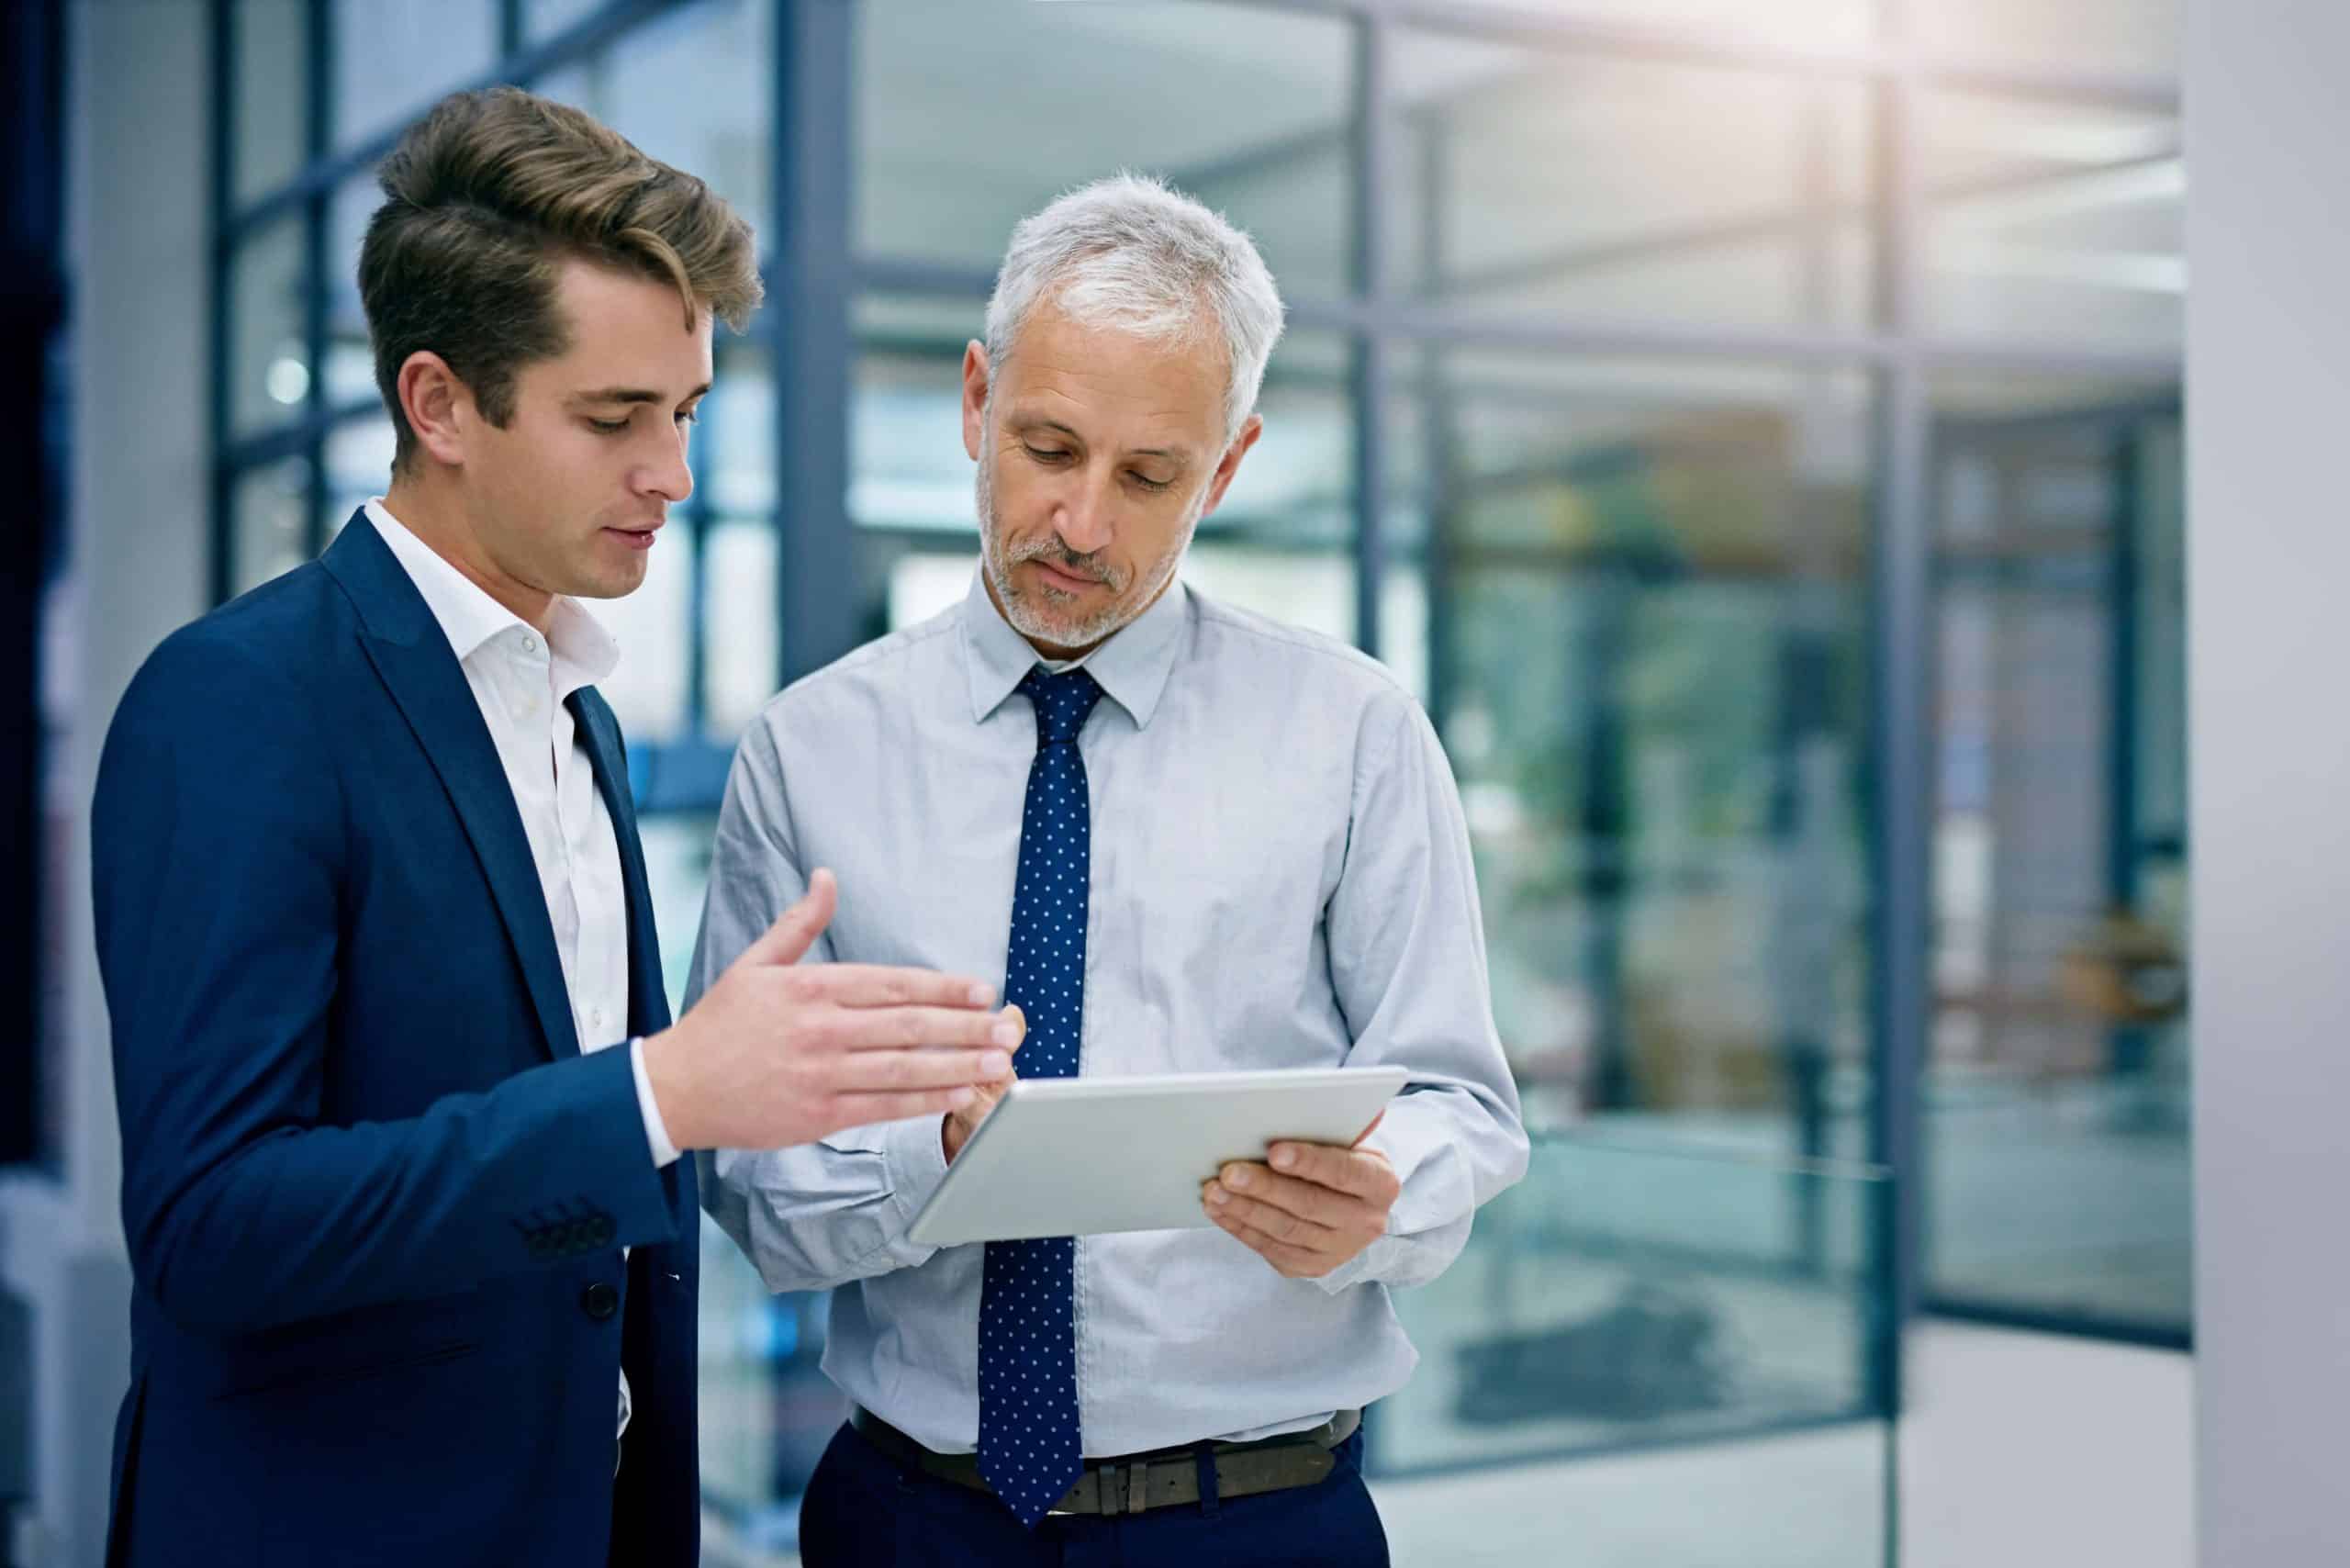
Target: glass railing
{"points": [[1651, 1356], [1645, 1358]]}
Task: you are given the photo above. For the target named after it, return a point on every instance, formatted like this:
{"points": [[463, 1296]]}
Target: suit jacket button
{"points": [[599, 1301]]}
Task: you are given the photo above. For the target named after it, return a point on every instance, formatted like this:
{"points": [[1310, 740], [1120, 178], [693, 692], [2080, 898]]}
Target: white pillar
{"points": [[137, 193], [2268, 610]]}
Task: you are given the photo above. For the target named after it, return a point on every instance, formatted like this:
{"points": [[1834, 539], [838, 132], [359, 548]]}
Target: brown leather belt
{"points": [[1136, 1484]]}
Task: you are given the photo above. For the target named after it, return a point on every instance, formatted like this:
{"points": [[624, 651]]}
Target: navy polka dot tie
{"points": [[1029, 1448]]}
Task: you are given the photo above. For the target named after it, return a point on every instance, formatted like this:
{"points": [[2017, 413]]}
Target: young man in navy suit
{"points": [[402, 1102]]}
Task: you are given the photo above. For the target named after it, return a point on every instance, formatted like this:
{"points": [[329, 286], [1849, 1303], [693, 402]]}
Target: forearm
{"points": [[824, 1214], [296, 1224], [1452, 1149]]}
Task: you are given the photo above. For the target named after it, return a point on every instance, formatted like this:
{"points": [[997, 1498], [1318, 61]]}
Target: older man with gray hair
{"points": [[1251, 855]]}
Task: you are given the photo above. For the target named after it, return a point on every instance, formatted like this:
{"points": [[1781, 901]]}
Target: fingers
{"points": [[870, 1073], [1281, 1224], [913, 1029], [1363, 1172], [796, 929], [1296, 1263], [858, 1109], [1255, 1185], [881, 985]]}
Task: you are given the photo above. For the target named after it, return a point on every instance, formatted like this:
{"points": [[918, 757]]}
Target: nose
{"points": [[1083, 518], [671, 478]]}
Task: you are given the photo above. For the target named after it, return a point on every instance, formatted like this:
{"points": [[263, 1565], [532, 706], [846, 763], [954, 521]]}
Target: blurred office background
{"points": [[1753, 431]]}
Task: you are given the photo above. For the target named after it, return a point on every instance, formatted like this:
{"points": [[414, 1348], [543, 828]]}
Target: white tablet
{"points": [[1084, 1156]]}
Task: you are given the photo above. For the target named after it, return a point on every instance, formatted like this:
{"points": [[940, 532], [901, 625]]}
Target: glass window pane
{"points": [[1645, 618], [739, 623], [1584, 186], [1313, 590], [1296, 485], [1244, 108], [2052, 222], [267, 510], [391, 62], [543, 20], [691, 88], [2082, 35], [269, 368], [1817, 23], [359, 465], [272, 100], [2056, 1090], [351, 363], [648, 690], [907, 468]]}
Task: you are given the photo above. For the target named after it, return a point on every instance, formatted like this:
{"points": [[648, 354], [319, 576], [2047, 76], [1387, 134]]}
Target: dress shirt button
{"points": [[599, 1301], [530, 645]]}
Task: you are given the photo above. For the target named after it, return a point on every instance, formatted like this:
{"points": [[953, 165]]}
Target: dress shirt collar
{"points": [[1132, 666], [578, 645]]}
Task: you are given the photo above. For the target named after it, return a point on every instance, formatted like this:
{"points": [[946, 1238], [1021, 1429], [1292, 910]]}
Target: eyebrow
{"points": [[633, 395], [1180, 459]]}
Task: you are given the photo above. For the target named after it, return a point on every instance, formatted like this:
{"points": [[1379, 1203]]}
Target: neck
{"points": [[439, 517], [1061, 653]]}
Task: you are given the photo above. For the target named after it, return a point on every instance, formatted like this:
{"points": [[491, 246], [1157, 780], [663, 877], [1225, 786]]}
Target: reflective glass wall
{"points": [[1754, 437]]}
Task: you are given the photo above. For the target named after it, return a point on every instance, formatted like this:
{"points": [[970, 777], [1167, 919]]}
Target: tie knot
{"points": [[1062, 702]]}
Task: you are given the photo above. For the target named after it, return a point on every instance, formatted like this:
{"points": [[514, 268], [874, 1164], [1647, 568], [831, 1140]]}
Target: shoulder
{"points": [[1311, 666], [252, 656], [845, 703]]}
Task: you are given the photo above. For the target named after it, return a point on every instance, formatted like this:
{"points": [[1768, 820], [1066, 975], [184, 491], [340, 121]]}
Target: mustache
{"points": [[1054, 554]]}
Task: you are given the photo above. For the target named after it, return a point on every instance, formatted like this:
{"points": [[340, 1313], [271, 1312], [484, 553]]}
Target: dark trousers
{"points": [[864, 1509]]}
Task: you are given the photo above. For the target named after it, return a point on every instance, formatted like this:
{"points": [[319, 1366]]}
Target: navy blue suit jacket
{"points": [[374, 1193]]}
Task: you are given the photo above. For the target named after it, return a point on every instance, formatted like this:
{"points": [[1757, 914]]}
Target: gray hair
{"points": [[1133, 253]]}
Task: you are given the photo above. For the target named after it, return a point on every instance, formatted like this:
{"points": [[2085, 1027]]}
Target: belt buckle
{"points": [[1117, 1489], [1072, 1513]]}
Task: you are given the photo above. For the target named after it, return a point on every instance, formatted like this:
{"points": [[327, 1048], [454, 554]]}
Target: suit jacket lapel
{"points": [[648, 1000], [417, 666]]}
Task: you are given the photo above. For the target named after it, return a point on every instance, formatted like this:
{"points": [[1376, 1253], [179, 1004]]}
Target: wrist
{"points": [[671, 1100]]}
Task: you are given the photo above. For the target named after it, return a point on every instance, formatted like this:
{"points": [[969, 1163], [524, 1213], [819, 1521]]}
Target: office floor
{"points": [[2021, 1451]]}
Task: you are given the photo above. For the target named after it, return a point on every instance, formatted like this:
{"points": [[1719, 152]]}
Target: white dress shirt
{"points": [[521, 680], [1280, 877]]}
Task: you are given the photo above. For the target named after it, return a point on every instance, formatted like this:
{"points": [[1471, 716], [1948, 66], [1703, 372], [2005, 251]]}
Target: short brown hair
{"points": [[486, 198]]}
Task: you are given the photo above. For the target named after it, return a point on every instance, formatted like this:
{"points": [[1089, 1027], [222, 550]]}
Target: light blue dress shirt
{"points": [[1281, 878]]}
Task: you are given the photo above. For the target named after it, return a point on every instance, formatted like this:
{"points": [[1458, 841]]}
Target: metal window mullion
{"points": [[697, 519], [1374, 170], [1440, 474], [807, 326], [220, 330], [318, 135], [1900, 745]]}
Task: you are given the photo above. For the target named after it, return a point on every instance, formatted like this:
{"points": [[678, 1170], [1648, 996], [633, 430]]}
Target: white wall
{"points": [[137, 194], [2268, 578]]}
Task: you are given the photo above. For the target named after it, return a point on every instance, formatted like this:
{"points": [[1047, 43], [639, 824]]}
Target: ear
{"points": [[439, 407], [1222, 481], [975, 397]]}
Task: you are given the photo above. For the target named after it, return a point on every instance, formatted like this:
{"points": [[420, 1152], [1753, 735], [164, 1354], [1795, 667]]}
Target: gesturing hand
{"points": [[1309, 1208], [779, 1052], [956, 1130]]}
